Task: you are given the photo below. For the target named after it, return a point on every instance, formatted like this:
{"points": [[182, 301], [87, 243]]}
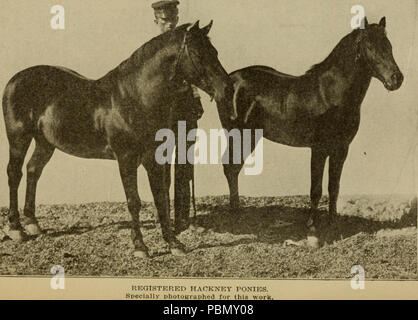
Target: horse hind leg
{"points": [[18, 146], [128, 171], [40, 157]]}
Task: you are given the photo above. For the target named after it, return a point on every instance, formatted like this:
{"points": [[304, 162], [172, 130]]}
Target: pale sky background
{"points": [[287, 35]]}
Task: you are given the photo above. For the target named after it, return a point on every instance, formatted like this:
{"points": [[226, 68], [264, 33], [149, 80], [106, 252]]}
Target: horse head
{"points": [[376, 50], [200, 66]]}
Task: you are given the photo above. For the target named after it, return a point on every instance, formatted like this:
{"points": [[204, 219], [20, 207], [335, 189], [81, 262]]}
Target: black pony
{"points": [[319, 110], [115, 117]]}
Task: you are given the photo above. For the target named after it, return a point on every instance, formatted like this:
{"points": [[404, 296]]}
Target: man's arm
{"points": [[197, 104]]}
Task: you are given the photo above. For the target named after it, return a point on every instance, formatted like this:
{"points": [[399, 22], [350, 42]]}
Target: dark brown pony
{"points": [[319, 110], [115, 117]]}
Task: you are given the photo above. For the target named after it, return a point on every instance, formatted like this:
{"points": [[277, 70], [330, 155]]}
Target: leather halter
{"points": [[184, 48], [360, 54]]}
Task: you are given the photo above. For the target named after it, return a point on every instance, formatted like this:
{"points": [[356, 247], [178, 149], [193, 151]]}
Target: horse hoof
{"points": [[234, 210], [141, 254], [331, 220], [33, 229], [181, 228], [16, 235], [178, 252], [197, 229], [313, 242]]}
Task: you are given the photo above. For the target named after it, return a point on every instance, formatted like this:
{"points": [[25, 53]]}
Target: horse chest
{"points": [[337, 126]]}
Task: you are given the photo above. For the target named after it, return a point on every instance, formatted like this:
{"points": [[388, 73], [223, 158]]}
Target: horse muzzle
{"points": [[394, 82]]}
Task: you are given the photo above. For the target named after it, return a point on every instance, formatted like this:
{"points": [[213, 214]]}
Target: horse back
{"points": [[263, 71], [55, 102], [40, 84], [30, 91], [254, 81]]}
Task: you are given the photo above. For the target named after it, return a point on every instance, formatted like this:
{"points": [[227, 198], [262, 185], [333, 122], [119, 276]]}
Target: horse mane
{"points": [[140, 56], [346, 48]]}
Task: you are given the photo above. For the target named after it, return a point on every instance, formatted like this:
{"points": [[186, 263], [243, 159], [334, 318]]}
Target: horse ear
{"points": [[205, 30], [194, 27], [365, 22], [382, 22]]}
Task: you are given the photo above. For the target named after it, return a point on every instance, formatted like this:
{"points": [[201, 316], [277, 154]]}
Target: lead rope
{"points": [[193, 199]]}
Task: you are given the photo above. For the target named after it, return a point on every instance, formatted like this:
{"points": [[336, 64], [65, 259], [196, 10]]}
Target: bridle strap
{"points": [[197, 70], [360, 52], [185, 48]]}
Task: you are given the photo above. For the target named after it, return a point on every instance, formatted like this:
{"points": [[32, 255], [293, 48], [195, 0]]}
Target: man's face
{"points": [[166, 20]]}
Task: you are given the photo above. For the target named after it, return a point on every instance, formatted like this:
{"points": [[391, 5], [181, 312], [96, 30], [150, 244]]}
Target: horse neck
{"points": [[154, 73], [346, 82]]}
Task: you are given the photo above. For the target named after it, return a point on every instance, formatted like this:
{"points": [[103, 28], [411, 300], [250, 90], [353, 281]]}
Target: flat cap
{"points": [[159, 5]]}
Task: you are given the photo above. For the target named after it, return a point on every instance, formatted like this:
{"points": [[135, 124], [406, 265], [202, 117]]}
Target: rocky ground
{"points": [[265, 240]]}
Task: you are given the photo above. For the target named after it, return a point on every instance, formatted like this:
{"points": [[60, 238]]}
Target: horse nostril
{"points": [[397, 77], [400, 78]]}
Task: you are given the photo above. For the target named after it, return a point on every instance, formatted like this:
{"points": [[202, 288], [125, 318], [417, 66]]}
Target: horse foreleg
{"points": [[336, 163], [183, 174], [40, 157], [318, 158], [128, 172], [231, 172], [159, 178]]}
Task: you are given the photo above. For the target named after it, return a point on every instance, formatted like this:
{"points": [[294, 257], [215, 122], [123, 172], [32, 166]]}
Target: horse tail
{"points": [[243, 102], [236, 97], [250, 109]]}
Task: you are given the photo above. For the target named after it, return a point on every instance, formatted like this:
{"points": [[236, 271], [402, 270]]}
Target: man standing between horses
{"points": [[166, 18]]}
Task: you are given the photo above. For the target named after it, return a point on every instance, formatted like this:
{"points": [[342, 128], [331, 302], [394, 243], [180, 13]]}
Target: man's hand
{"points": [[197, 104], [197, 108]]}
